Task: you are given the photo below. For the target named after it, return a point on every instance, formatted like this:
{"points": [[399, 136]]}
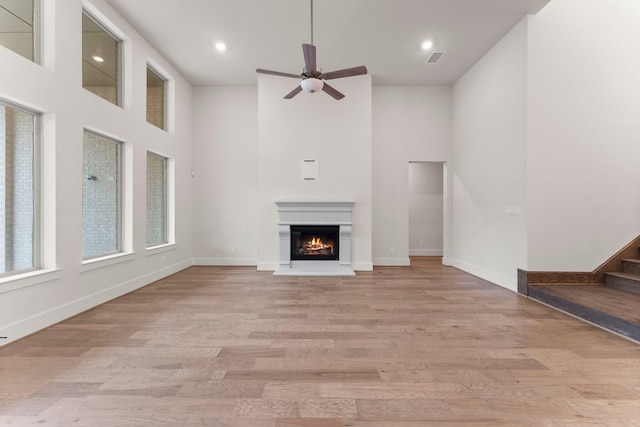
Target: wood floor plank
{"points": [[425, 345]]}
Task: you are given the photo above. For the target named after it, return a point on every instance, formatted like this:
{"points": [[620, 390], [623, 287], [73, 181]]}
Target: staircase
{"points": [[610, 299]]}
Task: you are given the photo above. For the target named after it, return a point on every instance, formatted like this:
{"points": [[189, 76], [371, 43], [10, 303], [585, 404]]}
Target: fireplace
{"points": [[315, 238], [315, 242]]}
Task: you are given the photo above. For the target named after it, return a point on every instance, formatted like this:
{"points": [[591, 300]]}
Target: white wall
{"points": [[225, 157], [584, 138], [409, 124], [488, 163], [314, 126], [56, 90], [426, 208]]}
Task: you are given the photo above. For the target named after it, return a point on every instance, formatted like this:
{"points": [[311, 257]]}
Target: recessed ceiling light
{"points": [[427, 44], [98, 58], [221, 47]]}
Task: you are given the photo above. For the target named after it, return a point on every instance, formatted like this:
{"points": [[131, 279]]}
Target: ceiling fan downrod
{"points": [[311, 21]]}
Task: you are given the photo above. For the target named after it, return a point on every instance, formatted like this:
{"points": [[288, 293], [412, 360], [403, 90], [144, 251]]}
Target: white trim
{"points": [[240, 262], [267, 266], [45, 319], [105, 261], [425, 252], [19, 281], [392, 262], [362, 266], [164, 247]]}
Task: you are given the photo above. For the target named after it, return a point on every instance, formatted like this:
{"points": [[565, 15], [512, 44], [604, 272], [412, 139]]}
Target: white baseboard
{"points": [[267, 266], [362, 266], [241, 262], [497, 279], [425, 252], [50, 317], [394, 262]]}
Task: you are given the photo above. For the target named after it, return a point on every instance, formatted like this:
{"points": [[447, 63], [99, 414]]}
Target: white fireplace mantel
{"points": [[314, 212]]}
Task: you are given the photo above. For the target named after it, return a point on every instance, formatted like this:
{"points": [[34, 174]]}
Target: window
{"points": [[155, 98], [18, 189], [101, 196], [100, 60], [18, 27], [156, 200]]}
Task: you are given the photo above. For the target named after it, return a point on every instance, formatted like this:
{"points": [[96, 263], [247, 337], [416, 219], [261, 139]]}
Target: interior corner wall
{"points": [[488, 163], [337, 134], [584, 140], [55, 89], [225, 164], [409, 124]]}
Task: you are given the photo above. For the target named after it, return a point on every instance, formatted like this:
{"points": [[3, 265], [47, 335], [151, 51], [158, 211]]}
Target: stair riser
{"points": [[631, 267], [623, 284]]}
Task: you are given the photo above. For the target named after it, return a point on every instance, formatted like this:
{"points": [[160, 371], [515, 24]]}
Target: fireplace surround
{"points": [[321, 220]]}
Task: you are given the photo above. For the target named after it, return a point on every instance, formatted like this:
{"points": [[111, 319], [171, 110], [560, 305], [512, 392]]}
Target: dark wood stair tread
{"points": [[629, 276], [617, 303], [632, 260]]}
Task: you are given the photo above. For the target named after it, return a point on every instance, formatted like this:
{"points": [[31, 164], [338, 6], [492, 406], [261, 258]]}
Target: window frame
{"points": [[120, 211], [36, 33], [37, 246], [165, 184], [113, 33], [165, 98]]}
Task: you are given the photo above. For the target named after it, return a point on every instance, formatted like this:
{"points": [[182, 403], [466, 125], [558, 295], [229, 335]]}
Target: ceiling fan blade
{"points": [[294, 92], [277, 73], [332, 91], [309, 52], [347, 72]]}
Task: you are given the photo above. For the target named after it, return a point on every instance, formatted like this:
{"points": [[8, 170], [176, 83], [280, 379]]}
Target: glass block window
{"points": [[19, 151], [156, 200], [101, 196]]}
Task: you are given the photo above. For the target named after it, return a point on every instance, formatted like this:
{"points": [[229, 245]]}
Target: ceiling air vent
{"points": [[435, 57]]}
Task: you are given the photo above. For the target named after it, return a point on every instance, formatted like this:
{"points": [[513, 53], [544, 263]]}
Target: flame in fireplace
{"points": [[315, 246]]}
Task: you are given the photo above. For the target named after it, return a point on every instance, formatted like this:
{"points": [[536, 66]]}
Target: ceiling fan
{"points": [[313, 79]]}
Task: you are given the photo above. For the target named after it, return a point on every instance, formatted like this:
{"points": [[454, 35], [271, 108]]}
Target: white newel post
{"points": [[314, 212]]}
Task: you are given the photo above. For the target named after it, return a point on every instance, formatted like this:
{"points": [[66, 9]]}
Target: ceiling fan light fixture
{"points": [[311, 85]]}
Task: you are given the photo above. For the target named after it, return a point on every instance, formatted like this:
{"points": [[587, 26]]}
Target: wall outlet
{"points": [[392, 250]]}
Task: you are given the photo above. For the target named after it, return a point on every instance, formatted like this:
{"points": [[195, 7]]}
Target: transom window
{"points": [[156, 98], [18, 27], [100, 60]]}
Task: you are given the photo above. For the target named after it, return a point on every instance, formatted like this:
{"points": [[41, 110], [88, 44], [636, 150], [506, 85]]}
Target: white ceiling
{"points": [[384, 35]]}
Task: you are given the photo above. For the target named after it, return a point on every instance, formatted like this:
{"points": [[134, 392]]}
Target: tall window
{"points": [[101, 196], [155, 98], [18, 27], [100, 60], [18, 189], [156, 200]]}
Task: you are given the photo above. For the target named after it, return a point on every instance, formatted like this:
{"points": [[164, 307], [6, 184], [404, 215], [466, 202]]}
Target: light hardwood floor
{"points": [[397, 347]]}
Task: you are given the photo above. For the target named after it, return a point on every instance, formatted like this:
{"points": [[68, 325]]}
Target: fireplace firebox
{"points": [[315, 242]]}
